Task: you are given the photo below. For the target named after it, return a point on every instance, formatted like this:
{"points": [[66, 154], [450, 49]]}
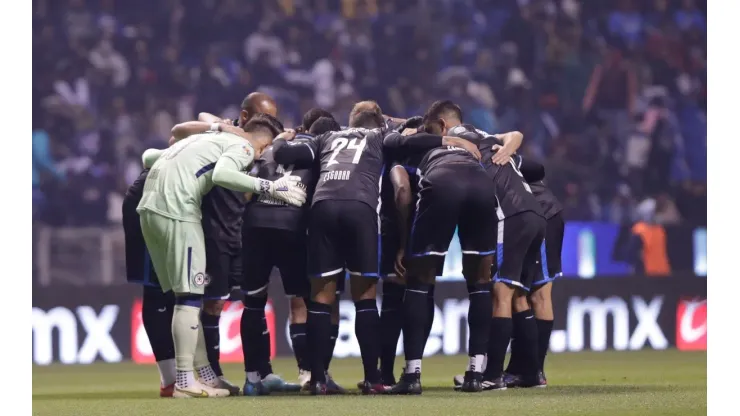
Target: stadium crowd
{"points": [[610, 95]]}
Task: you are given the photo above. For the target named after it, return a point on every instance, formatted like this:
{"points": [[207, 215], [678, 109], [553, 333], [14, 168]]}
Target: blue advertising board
{"points": [[589, 251]]}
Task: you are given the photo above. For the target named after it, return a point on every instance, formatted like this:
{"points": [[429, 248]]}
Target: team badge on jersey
{"points": [[247, 150], [199, 279]]}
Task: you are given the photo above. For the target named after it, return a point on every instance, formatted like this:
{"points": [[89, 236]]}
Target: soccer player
{"points": [[222, 227], [275, 236], [156, 306], [454, 191], [520, 231], [170, 211], [343, 234], [545, 269]]}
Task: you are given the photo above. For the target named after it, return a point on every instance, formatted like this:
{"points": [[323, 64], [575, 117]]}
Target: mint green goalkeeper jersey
{"points": [[181, 176]]}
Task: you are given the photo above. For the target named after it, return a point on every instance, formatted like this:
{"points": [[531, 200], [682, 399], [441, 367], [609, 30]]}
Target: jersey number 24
{"points": [[342, 143]]}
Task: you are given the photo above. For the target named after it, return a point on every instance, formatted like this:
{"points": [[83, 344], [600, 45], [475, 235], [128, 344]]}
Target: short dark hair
{"points": [[443, 109], [262, 121], [367, 119], [323, 125], [312, 116]]}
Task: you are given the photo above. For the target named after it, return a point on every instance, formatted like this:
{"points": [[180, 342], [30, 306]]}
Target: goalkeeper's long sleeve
{"points": [[227, 174]]}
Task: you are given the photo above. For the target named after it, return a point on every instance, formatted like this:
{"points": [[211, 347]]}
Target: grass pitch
{"points": [[593, 384]]}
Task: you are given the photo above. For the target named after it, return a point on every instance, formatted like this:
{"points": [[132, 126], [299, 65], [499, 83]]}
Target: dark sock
{"points": [[515, 357], [544, 329], [213, 340], [479, 319], [525, 331], [332, 343], [255, 343], [318, 334], [497, 343], [367, 330], [156, 316], [430, 314], [298, 339], [391, 320], [416, 315]]}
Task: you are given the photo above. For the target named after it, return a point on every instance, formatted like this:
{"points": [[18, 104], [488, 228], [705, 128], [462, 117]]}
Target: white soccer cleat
{"points": [[304, 379], [198, 390], [222, 383]]}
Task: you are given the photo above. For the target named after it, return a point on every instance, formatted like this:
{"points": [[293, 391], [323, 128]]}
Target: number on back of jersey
{"points": [[347, 151]]}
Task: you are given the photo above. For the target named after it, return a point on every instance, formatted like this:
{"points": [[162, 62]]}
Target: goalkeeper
{"points": [[171, 223]]}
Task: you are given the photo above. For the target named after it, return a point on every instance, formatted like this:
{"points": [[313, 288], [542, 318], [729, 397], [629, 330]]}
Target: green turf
{"points": [[593, 384]]}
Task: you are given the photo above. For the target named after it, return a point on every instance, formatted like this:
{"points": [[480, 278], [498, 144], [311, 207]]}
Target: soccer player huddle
{"points": [[377, 200]]}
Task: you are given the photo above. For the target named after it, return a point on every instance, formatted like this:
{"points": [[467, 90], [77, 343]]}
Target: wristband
{"points": [[215, 126]]}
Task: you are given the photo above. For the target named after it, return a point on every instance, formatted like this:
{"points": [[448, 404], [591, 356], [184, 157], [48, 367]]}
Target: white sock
{"points": [[253, 376], [485, 363], [185, 378], [413, 366], [475, 363], [167, 371], [206, 374]]}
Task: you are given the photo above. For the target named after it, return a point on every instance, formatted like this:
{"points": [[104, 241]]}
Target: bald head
{"points": [[254, 103], [364, 107]]}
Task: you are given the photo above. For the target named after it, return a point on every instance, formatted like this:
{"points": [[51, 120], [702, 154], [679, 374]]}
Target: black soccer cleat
{"points": [[369, 389], [318, 388], [410, 384], [543, 379], [472, 382], [495, 384]]}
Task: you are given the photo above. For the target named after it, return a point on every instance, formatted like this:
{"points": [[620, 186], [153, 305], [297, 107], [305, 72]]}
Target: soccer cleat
{"points": [[495, 384], [333, 387], [408, 385], [275, 383], [304, 379], [542, 379], [167, 391], [198, 390], [222, 383], [255, 389], [472, 382], [514, 380], [374, 388], [318, 389]]}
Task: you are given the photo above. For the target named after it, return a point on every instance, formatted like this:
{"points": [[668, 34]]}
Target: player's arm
{"points": [[286, 151], [209, 118], [189, 128], [402, 198], [403, 146], [228, 173], [150, 156], [511, 143]]}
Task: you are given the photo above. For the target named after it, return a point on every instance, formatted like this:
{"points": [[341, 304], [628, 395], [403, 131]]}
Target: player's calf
{"points": [[477, 273], [318, 325], [156, 314], [190, 350], [255, 342], [391, 320], [541, 299]]}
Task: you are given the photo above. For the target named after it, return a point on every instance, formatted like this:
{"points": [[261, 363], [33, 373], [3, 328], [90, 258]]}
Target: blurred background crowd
{"points": [[610, 94]]}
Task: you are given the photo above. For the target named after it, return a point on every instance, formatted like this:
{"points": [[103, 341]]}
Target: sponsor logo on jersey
{"points": [[691, 325], [231, 343], [199, 279]]}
